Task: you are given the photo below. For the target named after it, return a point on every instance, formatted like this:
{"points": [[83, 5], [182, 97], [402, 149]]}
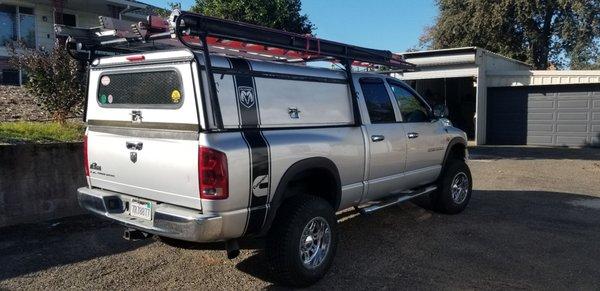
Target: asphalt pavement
{"points": [[533, 223]]}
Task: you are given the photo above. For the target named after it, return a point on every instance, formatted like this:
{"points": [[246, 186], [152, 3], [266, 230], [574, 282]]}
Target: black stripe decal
{"points": [[258, 147], [246, 95]]}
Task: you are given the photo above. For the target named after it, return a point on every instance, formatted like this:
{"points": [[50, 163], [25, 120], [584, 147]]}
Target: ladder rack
{"points": [[222, 36]]}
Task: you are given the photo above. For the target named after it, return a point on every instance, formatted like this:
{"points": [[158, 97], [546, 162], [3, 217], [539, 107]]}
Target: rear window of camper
{"points": [[154, 89]]}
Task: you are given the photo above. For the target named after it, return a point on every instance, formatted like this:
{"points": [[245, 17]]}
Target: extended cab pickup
{"points": [[277, 151]]}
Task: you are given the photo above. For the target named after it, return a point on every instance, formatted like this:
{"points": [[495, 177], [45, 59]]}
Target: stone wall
{"points": [[39, 181]]}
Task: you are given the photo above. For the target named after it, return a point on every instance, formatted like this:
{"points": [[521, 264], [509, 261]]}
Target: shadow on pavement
{"points": [[531, 153], [29, 248], [504, 239]]}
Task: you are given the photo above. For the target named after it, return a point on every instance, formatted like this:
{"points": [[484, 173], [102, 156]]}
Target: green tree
{"points": [[164, 12], [540, 32], [279, 14]]}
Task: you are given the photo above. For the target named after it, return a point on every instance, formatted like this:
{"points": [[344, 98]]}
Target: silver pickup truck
{"points": [[275, 153]]}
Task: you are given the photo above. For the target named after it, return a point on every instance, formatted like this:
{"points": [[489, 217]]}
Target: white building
{"points": [[512, 103], [32, 21]]}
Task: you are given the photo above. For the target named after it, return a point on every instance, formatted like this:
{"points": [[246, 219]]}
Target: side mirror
{"points": [[440, 111]]}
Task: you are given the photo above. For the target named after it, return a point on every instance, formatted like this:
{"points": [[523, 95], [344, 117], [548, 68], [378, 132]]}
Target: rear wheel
{"points": [[303, 242], [454, 188]]}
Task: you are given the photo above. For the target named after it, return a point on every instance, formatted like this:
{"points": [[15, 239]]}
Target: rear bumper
{"points": [[168, 220]]}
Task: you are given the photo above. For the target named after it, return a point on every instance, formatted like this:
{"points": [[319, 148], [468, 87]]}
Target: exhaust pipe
{"points": [[132, 234]]}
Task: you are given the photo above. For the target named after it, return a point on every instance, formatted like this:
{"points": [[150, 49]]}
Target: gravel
{"points": [[18, 105], [533, 223]]}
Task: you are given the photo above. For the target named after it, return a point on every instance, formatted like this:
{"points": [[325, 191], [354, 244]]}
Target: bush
{"points": [[54, 78]]}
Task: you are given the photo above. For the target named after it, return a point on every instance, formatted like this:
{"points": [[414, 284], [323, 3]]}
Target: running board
{"points": [[397, 199]]}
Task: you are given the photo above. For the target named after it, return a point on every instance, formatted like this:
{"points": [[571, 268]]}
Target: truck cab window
{"points": [[411, 107], [378, 101]]}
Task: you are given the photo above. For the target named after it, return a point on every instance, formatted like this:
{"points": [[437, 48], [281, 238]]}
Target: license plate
{"points": [[140, 209]]}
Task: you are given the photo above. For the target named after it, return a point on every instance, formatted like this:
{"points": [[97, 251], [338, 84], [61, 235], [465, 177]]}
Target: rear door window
{"points": [[377, 100], [150, 89]]}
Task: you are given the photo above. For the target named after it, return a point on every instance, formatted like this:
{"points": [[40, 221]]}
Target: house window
{"points": [[17, 23], [65, 19], [9, 77], [27, 28], [8, 24]]}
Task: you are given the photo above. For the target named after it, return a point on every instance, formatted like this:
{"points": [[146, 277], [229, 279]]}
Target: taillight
{"points": [[212, 174], [86, 165]]}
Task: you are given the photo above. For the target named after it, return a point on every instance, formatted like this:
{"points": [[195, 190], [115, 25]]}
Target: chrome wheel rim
{"points": [[460, 188], [315, 242]]}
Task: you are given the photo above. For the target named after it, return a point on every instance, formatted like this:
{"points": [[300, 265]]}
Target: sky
{"points": [[393, 25]]}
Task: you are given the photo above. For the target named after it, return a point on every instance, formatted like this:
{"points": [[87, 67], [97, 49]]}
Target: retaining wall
{"points": [[39, 181]]}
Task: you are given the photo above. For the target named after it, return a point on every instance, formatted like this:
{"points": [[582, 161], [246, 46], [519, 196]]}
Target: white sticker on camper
{"points": [[105, 80]]}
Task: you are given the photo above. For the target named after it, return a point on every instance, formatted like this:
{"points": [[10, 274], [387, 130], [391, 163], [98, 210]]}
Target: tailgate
{"points": [[142, 133]]}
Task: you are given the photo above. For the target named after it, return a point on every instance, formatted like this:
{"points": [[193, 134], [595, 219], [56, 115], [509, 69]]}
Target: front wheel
{"points": [[454, 188], [303, 241]]}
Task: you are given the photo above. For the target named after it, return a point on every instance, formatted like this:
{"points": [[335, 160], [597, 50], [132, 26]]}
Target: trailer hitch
{"points": [[134, 234]]}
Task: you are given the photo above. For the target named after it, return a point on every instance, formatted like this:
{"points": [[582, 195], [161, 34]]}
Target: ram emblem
{"points": [[246, 96]]}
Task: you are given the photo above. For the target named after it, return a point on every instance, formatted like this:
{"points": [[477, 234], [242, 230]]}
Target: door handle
{"points": [[134, 146], [412, 135], [376, 138]]}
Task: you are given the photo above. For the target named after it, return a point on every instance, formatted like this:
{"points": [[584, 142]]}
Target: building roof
{"points": [[439, 53], [458, 51]]}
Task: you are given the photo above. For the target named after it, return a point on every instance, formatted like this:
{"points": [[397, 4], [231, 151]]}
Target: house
{"points": [[31, 21], [498, 100]]}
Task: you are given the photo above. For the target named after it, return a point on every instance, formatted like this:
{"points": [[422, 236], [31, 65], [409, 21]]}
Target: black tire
{"points": [[283, 242], [442, 200]]}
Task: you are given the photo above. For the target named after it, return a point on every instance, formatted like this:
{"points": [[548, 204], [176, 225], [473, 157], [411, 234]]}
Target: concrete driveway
{"points": [[533, 223]]}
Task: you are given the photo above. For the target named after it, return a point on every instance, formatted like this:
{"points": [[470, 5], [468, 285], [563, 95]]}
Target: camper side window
{"points": [[377, 100]]}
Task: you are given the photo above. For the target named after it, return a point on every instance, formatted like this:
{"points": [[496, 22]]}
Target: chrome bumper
{"points": [[168, 220]]}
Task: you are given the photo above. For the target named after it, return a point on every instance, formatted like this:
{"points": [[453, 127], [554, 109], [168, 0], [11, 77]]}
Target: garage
{"points": [[565, 115], [458, 78], [499, 100]]}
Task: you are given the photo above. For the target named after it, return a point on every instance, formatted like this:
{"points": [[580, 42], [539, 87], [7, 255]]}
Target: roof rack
{"points": [[209, 34], [222, 36]]}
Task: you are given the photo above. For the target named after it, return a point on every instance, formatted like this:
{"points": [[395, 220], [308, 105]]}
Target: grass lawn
{"points": [[40, 132]]}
